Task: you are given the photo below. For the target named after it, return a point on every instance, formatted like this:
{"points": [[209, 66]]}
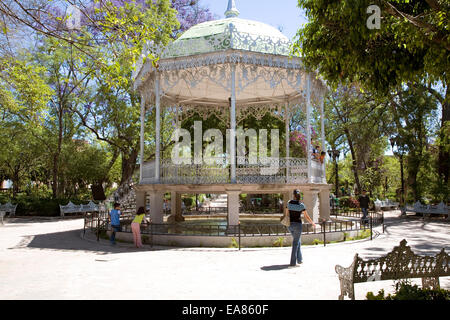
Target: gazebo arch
{"points": [[231, 68]]}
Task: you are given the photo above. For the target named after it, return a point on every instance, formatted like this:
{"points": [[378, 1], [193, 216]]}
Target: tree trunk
{"points": [[354, 162], [15, 181], [55, 187], [413, 165], [444, 156], [128, 165]]}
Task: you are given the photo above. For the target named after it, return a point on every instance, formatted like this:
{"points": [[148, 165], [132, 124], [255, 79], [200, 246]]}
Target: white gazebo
{"points": [[231, 68]]}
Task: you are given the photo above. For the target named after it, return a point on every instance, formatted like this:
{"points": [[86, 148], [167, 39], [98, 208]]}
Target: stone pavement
{"points": [[48, 259]]}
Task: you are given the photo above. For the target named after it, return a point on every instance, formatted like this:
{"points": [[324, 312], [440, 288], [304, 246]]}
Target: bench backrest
{"points": [[70, 208], [73, 208], [401, 263], [8, 207]]}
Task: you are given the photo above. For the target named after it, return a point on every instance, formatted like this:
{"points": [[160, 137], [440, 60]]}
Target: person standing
{"points": [[364, 202], [114, 216], [136, 227], [295, 208]]}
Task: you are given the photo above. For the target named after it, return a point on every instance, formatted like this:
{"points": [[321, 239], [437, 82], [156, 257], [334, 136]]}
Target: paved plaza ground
{"points": [[47, 259]]}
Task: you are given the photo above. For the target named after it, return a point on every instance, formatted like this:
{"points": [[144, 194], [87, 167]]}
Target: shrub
{"points": [[188, 202], [34, 206], [279, 242], [348, 202], [234, 243], [405, 291]]}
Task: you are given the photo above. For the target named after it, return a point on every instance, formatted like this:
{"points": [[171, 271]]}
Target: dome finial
{"points": [[231, 10]]}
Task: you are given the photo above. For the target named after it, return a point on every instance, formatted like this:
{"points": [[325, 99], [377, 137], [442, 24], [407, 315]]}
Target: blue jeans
{"points": [[296, 230], [364, 211], [114, 229]]}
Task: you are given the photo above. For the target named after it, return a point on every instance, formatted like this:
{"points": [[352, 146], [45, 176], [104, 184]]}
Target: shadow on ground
{"points": [[412, 230], [72, 241], [30, 219], [275, 267]]}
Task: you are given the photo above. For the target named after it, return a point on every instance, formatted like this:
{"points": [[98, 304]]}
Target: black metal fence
{"points": [[98, 223]]}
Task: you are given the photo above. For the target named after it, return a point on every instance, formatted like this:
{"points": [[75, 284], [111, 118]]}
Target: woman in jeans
{"points": [[295, 208]]}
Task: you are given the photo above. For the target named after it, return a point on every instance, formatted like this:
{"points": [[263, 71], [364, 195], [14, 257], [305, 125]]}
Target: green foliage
{"points": [[36, 206], [22, 88], [411, 48], [348, 202], [234, 243], [336, 40], [188, 202], [280, 242], [405, 291]]}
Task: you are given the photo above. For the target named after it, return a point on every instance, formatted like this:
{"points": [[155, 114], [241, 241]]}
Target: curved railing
{"points": [[264, 171], [98, 223]]}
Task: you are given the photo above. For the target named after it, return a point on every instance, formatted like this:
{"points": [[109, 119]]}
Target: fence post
{"points": [[324, 234], [151, 234], [84, 226], [239, 235], [98, 227], [382, 220], [371, 228]]}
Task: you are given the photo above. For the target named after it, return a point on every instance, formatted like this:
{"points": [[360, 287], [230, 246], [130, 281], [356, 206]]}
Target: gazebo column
{"points": [[308, 127], [233, 207], [311, 201], [140, 199], [324, 196], [286, 198], [175, 208], [287, 122], [233, 124], [142, 145], [156, 206], [322, 134], [157, 126]]}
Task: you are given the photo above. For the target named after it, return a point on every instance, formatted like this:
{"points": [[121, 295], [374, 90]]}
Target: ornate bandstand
{"points": [[231, 68]]}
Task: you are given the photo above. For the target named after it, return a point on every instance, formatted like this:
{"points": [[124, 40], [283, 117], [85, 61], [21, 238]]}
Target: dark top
{"points": [[364, 201], [296, 209]]}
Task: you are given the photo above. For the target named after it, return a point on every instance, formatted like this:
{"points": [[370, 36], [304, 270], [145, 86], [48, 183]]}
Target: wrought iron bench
{"points": [[380, 204], [9, 208], [440, 209], [82, 208], [401, 263]]}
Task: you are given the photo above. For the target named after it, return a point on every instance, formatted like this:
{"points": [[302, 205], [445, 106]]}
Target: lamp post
{"points": [[395, 142], [335, 155]]}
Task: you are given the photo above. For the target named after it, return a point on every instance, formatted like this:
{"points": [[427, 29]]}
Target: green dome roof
{"points": [[230, 33]]}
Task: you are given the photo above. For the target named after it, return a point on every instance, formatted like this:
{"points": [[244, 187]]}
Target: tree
{"points": [[412, 45], [113, 114], [413, 110], [356, 122]]}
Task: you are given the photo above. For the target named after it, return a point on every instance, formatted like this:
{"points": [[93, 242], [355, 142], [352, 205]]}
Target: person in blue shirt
{"points": [[114, 216]]}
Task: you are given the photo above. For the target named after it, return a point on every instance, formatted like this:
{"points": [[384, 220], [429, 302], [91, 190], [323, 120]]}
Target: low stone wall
{"points": [[225, 242]]}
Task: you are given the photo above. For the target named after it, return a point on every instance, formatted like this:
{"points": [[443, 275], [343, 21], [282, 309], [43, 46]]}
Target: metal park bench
{"points": [[428, 210], [82, 208], [401, 263], [8, 208], [381, 204]]}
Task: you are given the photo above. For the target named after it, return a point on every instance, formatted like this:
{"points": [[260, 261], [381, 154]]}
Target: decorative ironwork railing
{"points": [[98, 222], [264, 171]]}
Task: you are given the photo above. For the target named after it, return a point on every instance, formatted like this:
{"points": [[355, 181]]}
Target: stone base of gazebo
{"points": [[315, 196]]}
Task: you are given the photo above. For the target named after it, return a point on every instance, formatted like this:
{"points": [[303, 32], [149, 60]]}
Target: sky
{"points": [[282, 14]]}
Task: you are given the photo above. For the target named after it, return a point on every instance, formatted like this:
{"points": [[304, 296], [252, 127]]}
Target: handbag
{"points": [[286, 220]]}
